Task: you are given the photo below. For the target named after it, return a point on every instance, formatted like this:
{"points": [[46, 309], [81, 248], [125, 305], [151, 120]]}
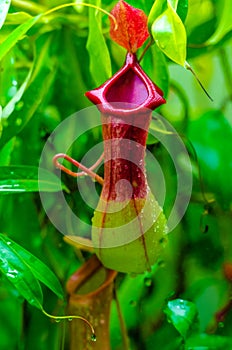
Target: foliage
{"points": [[48, 60]]}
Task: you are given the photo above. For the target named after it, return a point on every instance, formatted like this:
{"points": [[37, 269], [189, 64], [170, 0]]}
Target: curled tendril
{"points": [[60, 318], [86, 5], [86, 171]]}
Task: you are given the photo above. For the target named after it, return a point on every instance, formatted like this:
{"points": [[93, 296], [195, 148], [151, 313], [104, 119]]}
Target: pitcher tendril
{"points": [[86, 171], [71, 317], [60, 7]]}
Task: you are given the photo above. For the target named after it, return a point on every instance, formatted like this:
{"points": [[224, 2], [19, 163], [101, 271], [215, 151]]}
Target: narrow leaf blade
{"points": [[16, 35], [38, 269], [100, 63], [22, 178], [18, 273], [34, 95], [224, 25]]}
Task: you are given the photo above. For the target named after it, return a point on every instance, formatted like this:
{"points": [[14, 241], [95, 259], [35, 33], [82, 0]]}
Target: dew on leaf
{"points": [[19, 105], [18, 121], [13, 274], [147, 281], [161, 263], [163, 240], [93, 337], [133, 303]]}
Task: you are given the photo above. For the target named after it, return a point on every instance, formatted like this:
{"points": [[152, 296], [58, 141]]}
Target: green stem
{"points": [[188, 67], [123, 328], [151, 42]]}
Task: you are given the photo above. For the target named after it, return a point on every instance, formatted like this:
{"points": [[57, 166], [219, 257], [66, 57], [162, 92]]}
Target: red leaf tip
{"points": [[131, 29]]}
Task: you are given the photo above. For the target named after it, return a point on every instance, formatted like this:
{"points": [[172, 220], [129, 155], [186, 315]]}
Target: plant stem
{"points": [[188, 67], [151, 42], [125, 338], [91, 292]]}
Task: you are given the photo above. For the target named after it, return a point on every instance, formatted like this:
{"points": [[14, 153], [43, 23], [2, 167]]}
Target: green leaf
{"points": [[224, 24], [18, 273], [213, 147], [182, 314], [6, 151], [16, 35], [180, 7], [22, 178], [169, 34], [4, 7], [208, 342], [0, 121], [38, 268], [34, 95], [17, 18], [174, 4], [100, 63], [157, 9], [8, 109], [155, 65]]}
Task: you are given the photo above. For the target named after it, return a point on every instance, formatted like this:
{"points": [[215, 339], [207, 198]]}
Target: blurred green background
{"points": [[46, 65]]}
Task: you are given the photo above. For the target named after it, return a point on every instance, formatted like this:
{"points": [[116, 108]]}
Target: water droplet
{"points": [[163, 240], [133, 303], [133, 274], [220, 324], [14, 82], [12, 274], [93, 337], [8, 243], [70, 319], [161, 263], [18, 121], [57, 320], [148, 281], [19, 105]]}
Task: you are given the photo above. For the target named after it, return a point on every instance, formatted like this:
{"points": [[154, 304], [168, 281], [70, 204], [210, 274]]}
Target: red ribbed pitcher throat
{"points": [[124, 152]]}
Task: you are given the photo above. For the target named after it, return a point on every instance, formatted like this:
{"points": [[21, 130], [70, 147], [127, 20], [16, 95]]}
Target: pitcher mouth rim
{"points": [[154, 95]]}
